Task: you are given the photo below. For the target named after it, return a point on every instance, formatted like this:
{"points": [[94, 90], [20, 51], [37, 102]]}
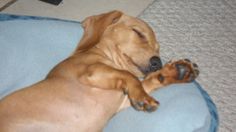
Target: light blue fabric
{"points": [[182, 109], [31, 46]]}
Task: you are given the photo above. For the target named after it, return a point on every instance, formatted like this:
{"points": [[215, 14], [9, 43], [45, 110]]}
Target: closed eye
{"points": [[140, 35]]}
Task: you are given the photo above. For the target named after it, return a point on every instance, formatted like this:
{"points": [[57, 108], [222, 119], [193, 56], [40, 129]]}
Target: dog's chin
{"points": [[146, 70]]}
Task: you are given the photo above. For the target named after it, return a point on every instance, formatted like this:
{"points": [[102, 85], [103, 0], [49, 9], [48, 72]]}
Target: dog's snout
{"points": [[155, 63]]}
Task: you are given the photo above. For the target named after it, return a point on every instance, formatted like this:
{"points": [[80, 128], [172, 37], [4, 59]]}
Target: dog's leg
{"points": [[103, 76], [181, 71]]}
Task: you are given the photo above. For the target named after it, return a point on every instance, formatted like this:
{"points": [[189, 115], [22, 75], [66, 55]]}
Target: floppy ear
{"points": [[94, 27]]}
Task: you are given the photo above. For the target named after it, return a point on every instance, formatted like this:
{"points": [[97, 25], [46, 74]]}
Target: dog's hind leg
{"points": [[103, 76]]}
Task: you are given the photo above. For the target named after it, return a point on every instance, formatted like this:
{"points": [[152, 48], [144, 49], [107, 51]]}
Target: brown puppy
{"points": [[84, 91]]}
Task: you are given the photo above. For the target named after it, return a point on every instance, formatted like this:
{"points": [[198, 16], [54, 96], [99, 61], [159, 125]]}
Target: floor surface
{"points": [[75, 9]]}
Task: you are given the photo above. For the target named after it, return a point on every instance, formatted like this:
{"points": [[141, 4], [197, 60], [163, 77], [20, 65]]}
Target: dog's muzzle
{"points": [[155, 63]]}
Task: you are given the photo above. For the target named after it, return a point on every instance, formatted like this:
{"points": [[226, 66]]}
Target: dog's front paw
{"points": [[143, 102], [180, 71]]}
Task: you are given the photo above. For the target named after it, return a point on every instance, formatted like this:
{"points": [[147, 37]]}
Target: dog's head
{"points": [[129, 41]]}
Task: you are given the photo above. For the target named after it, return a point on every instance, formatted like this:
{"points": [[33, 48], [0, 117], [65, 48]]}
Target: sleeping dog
{"points": [[100, 78]]}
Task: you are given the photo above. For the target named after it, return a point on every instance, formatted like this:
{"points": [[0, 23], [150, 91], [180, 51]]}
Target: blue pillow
{"points": [[182, 109], [32, 46]]}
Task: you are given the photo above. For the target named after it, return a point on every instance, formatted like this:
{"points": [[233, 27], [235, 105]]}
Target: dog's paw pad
{"points": [[161, 78], [182, 69], [186, 70]]}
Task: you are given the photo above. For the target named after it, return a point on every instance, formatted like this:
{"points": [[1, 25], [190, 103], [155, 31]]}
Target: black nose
{"points": [[155, 63]]}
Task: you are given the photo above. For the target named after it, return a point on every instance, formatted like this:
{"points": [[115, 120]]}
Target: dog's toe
{"points": [[151, 107], [195, 65], [187, 60], [146, 104]]}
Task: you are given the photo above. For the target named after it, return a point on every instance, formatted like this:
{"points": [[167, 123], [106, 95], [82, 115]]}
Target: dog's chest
{"points": [[92, 107], [69, 106]]}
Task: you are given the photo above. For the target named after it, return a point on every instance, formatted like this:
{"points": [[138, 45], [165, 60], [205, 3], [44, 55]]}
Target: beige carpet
{"points": [[205, 32]]}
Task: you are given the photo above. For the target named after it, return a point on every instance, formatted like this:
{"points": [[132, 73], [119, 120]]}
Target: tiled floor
{"points": [[75, 9]]}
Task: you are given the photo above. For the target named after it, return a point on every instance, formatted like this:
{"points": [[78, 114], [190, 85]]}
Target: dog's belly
{"points": [[61, 108]]}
